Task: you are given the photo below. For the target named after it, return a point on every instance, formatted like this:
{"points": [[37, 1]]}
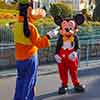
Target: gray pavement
{"points": [[51, 68], [48, 87], [48, 83]]}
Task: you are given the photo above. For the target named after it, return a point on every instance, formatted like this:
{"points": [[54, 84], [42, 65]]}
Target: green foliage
{"points": [[61, 9], [84, 11], [3, 22], [45, 24], [90, 23], [12, 11], [87, 16], [55, 10], [89, 29], [3, 5], [23, 1]]}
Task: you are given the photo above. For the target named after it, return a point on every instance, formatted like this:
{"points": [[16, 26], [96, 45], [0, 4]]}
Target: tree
{"points": [[86, 15], [61, 9]]}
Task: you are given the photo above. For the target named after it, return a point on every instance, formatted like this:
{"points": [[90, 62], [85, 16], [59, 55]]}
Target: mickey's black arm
{"points": [[76, 43], [59, 44]]}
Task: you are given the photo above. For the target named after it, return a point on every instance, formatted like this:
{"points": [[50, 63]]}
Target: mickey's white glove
{"points": [[57, 58], [72, 56], [53, 33]]}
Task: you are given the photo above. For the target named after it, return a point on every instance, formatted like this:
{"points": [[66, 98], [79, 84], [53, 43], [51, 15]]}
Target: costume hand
{"points": [[57, 58], [39, 12], [53, 33], [72, 56]]}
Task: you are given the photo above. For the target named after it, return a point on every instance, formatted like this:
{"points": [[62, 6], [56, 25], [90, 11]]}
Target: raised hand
{"points": [[53, 33]]}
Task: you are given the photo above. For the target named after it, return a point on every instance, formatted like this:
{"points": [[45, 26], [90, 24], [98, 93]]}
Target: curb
{"points": [[14, 74], [44, 70], [7, 75]]}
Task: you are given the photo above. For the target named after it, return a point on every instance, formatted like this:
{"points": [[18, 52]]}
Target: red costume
{"points": [[66, 55]]}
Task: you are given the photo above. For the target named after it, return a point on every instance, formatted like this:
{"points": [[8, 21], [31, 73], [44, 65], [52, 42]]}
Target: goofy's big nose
{"points": [[67, 30]]}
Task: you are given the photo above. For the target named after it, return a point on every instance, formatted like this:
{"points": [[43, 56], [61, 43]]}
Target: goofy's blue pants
{"points": [[26, 79]]}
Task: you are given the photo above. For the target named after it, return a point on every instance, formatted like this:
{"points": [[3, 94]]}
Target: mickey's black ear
{"points": [[58, 20], [79, 19]]}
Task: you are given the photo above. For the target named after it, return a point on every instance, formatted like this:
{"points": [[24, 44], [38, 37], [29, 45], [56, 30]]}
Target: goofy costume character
{"points": [[27, 42], [66, 55]]}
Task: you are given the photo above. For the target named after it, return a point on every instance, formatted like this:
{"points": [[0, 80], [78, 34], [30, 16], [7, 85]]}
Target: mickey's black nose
{"points": [[67, 30]]}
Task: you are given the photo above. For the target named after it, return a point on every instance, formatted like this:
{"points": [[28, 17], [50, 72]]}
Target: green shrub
{"points": [[91, 23], [3, 22], [61, 9], [86, 14], [44, 25], [3, 5]]}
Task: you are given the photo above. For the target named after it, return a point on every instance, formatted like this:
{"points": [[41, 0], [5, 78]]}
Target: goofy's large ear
{"points": [[79, 19], [58, 20]]}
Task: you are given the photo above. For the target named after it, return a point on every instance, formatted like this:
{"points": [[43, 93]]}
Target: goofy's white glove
{"points": [[57, 58], [53, 33], [72, 56]]}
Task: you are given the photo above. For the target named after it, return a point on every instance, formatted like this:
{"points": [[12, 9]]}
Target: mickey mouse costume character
{"points": [[66, 51], [27, 42]]}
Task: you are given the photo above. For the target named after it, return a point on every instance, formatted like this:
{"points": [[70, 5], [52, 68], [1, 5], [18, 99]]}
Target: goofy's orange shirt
{"points": [[27, 47]]}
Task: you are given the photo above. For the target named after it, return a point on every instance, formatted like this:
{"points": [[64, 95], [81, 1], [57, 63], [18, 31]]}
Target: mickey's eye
{"points": [[70, 28], [71, 24]]}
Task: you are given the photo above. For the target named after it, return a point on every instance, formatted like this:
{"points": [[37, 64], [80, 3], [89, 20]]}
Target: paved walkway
{"points": [[48, 86], [51, 68], [48, 83]]}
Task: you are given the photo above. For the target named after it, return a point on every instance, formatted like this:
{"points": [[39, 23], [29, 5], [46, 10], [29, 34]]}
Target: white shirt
{"points": [[67, 45]]}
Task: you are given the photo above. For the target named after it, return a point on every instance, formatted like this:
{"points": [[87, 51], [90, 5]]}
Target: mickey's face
{"points": [[68, 27]]}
